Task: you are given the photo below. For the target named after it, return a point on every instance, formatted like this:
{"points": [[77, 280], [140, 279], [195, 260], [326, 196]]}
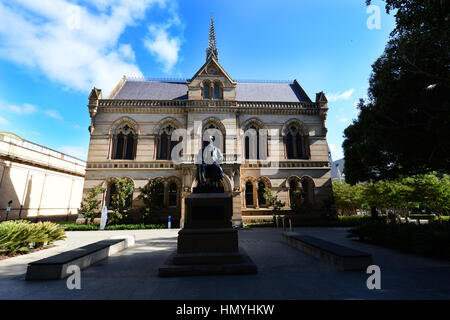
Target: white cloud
{"points": [[343, 120], [73, 45], [53, 114], [77, 152], [333, 97], [4, 121], [23, 109], [27, 109], [161, 45]]}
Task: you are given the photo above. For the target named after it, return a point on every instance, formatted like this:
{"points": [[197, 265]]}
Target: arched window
{"points": [[261, 190], [308, 190], [219, 140], [293, 187], [297, 145], [124, 143], [111, 192], [252, 143], [206, 90], [217, 91], [249, 194], [165, 143], [173, 194]]}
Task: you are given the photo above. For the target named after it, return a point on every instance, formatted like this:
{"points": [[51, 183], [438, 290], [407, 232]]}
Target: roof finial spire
{"points": [[212, 49]]}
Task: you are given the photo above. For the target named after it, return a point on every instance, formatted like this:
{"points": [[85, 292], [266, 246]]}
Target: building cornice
{"points": [[206, 106]]}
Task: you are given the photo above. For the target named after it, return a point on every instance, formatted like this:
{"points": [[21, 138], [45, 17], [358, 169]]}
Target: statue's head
{"points": [[211, 139]]}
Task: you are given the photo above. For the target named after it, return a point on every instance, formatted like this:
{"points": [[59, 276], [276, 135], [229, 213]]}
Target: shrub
{"points": [[21, 236], [273, 201], [90, 205], [432, 239], [121, 200], [151, 196]]}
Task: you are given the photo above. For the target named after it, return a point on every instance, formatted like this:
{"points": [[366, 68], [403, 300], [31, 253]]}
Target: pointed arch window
{"points": [[256, 143], [124, 143], [165, 143], [221, 140], [261, 190], [173, 194], [218, 91], [297, 145], [206, 90], [249, 194]]}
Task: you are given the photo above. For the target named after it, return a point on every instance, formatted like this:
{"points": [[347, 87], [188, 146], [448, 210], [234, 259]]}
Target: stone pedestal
{"points": [[208, 244]]}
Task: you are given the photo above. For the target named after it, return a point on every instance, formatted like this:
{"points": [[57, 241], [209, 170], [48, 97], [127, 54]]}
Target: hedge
{"points": [[431, 240]]}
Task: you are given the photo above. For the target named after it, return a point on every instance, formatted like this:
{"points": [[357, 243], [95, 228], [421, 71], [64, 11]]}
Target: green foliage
{"points": [[402, 128], [432, 239], [404, 194], [297, 200], [151, 196], [348, 198], [121, 200], [89, 208], [89, 227], [21, 235], [273, 201]]}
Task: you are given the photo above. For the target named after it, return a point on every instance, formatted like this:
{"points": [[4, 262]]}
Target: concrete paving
{"points": [[284, 272]]}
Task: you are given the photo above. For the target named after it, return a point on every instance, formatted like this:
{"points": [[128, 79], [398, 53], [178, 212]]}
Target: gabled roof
{"points": [[212, 60], [152, 90], [245, 91], [277, 92]]}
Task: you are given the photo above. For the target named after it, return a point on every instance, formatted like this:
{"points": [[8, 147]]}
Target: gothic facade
{"points": [[271, 135]]}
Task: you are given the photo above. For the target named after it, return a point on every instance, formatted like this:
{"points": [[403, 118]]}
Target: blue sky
{"points": [[52, 52]]}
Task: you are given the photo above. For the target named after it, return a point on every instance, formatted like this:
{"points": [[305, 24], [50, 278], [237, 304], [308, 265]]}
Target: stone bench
{"points": [[342, 258], [55, 267]]}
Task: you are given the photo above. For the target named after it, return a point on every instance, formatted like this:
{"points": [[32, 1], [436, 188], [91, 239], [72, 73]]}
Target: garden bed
{"points": [[92, 227], [5, 256]]}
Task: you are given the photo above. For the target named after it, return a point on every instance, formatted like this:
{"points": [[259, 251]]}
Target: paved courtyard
{"points": [[284, 272]]}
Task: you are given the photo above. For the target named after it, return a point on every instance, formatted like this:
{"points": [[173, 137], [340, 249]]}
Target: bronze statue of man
{"points": [[208, 165]]}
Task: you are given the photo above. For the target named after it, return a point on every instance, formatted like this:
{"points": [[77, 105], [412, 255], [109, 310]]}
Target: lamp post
{"points": [[8, 209]]}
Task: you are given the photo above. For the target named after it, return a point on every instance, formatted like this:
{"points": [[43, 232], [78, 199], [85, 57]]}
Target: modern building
{"points": [[270, 132], [38, 183]]}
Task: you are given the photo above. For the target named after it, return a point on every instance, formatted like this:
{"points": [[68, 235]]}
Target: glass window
{"points": [[248, 194], [173, 195], [217, 91], [261, 199], [206, 91]]}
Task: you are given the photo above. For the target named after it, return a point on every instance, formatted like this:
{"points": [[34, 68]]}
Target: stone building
{"points": [[41, 183], [271, 134]]}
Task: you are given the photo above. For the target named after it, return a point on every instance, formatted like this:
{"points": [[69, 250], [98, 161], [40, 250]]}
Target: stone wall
{"points": [[42, 183]]}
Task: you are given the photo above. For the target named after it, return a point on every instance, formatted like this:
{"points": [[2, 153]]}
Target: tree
{"points": [[348, 198], [297, 199], [151, 196], [273, 201], [402, 128], [121, 200], [89, 208]]}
